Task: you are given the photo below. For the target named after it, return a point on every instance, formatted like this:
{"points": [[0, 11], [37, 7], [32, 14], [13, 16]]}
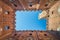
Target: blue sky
{"points": [[28, 20]]}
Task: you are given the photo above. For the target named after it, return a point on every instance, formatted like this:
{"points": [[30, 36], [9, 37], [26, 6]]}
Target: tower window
{"points": [[6, 12], [46, 4], [7, 28], [30, 4], [52, 12], [45, 34], [15, 5]]}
